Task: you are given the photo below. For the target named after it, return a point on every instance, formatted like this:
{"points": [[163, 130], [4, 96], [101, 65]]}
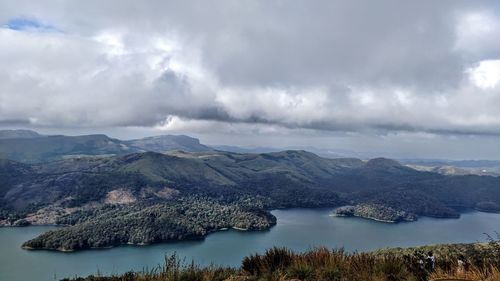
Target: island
{"points": [[140, 224], [376, 212]]}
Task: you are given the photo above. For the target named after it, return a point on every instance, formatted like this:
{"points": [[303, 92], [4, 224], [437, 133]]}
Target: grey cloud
{"points": [[275, 42], [340, 42], [349, 66]]}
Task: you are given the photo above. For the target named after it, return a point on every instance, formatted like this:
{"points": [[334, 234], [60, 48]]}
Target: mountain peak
{"points": [[382, 163], [169, 142]]}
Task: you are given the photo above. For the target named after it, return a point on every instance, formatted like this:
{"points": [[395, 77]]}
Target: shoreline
{"points": [[395, 222], [363, 217]]}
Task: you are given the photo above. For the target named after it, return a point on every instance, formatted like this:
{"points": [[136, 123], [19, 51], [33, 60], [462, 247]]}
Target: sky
{"points": [[404, 78]]}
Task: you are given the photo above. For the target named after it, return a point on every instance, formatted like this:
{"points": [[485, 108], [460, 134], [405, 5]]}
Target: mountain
{"points": [[31, 147], [48, 148], [100, 192], [81, 180], [11, 173], [462, 167], [454, 163], [169, 142], [241, 149], [321, 152], [278, 176]]}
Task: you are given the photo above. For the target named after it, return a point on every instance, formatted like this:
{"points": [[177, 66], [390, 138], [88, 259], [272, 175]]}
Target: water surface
{"points": [[298, 229]]}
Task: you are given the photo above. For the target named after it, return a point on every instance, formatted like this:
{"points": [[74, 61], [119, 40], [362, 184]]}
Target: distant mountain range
{"points": [[454, 163], [30, 147], [442, 166]]}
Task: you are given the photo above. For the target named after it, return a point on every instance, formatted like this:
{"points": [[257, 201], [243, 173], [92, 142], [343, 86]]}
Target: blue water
{"points": [[298, 229]]}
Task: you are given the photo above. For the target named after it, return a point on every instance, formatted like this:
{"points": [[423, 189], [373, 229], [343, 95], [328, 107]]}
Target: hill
{"points": [[93, 193], [168, 142], [463, 167]]}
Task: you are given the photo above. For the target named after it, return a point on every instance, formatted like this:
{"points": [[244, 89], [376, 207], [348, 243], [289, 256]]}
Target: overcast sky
{"points": [[411, 78]]}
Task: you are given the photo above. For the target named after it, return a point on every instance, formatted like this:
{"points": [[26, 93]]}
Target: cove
{"points": [[297, 229]]}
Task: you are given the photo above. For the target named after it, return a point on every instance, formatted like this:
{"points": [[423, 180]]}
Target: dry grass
{"points": [[280, 264], [484, 274]]}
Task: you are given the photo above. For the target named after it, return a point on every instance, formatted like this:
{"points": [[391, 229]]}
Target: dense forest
{"points": [[139, 224], [376, 212]]}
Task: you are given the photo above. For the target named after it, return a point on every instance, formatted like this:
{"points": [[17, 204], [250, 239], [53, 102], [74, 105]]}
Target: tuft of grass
{"points": [[301, 271], [275, 259]]}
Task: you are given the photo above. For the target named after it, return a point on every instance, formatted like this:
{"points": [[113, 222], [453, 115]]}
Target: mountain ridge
{"points": [[30, 147]]}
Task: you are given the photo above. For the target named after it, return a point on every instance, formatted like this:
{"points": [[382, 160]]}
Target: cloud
{"points": [[372, 67], [486, 75], [478, 33]]}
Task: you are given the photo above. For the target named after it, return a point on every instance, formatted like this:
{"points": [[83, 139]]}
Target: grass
{"points": [[280, 264]]}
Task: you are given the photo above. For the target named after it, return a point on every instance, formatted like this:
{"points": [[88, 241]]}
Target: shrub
{"points": [[301, 271], [275, 259]]}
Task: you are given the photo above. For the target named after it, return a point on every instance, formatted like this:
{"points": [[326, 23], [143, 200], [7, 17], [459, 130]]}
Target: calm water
{"points": [[298, 229]]}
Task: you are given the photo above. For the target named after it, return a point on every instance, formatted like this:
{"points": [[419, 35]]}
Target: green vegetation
{"points": [[480, 262], [488, 206], [375, 212], [110, 193], [138, 224]]}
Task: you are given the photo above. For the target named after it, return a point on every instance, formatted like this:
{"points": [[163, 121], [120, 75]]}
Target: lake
{"points": [[298, 229]]}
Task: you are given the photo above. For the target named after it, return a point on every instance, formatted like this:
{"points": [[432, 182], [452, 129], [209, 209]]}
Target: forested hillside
{"points": [[99, 193]]}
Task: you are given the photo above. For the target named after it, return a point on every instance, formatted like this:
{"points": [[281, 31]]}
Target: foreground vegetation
{"points": [[481, 262]]}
